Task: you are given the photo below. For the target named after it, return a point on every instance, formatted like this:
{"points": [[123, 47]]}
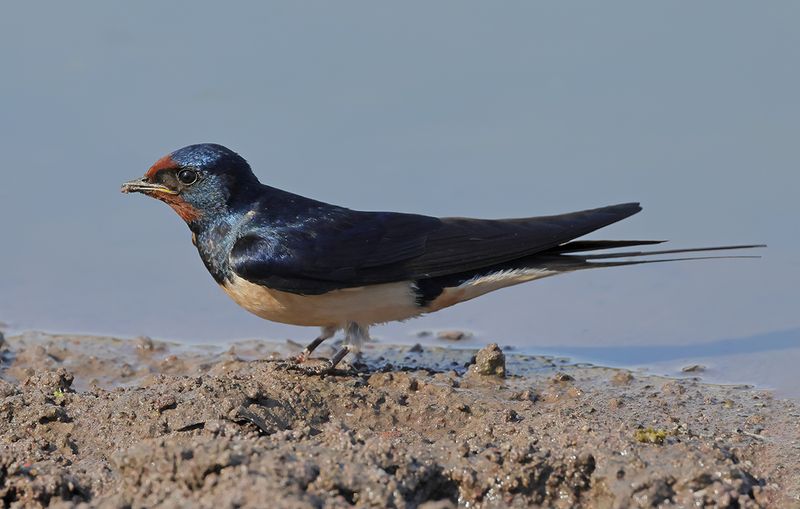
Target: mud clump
{"points": [[490, 361], [233, 431]]}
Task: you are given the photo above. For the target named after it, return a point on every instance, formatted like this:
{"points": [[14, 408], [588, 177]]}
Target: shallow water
{"points": [[468, 109]]}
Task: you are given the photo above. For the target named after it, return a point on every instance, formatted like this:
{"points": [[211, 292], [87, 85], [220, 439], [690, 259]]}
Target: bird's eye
{"points": [[187, 177]]}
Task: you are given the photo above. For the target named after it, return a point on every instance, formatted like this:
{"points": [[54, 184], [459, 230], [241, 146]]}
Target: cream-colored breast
{"points": [[365, 305]]}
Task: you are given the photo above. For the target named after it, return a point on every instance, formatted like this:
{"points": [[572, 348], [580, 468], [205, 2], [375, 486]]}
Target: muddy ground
{"points": [[88, 421]]}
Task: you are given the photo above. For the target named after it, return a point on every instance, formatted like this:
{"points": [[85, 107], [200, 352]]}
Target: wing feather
{"points": [[344, 248]]}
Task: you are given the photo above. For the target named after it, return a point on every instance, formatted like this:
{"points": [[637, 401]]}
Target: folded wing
{"points": [[345, 249]]}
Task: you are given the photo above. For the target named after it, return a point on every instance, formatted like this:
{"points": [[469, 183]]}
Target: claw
{"points": [[301, 357], [327, 332], [354, 333], [320, 367]]}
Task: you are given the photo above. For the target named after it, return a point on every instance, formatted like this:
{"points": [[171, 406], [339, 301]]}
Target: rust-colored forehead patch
{"points": [[164, 163]]}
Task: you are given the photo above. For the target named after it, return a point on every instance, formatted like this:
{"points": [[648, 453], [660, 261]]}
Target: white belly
{"points": [[364, 305]]}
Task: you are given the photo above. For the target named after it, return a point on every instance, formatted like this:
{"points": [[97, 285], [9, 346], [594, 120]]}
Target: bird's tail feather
{"points": [[579, 246], [570, 262], [629, 254]]}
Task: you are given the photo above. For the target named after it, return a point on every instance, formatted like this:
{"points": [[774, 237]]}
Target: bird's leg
{"points": [[355, 336], [325, 333], [338, 356]]}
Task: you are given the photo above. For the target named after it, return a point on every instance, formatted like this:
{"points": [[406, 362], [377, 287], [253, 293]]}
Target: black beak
{"points": [[143, 186]]}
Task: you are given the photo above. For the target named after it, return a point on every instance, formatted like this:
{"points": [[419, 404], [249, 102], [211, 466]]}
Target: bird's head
{"points": [[197, 181]]}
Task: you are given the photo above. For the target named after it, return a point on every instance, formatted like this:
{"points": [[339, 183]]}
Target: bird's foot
{"points": [[321, 366], [301, 358], [338, 356]]}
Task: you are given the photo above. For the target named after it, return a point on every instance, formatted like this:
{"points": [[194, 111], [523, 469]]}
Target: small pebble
{"points": [[561, 377], [144, 343], [622, 378], [694, 368], [164, 402], [452, 335]]}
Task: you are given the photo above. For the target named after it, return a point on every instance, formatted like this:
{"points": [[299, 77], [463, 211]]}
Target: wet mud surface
{"points": [[88, 421]]}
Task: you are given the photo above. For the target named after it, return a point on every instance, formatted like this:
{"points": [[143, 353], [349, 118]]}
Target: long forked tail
{"points": [[570, 256]]}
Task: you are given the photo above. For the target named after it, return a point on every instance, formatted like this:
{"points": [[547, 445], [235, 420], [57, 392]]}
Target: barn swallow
{"points": [[300, 261]]}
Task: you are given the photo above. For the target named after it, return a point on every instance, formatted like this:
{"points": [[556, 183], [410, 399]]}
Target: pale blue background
{"points": [[448, 108]]}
